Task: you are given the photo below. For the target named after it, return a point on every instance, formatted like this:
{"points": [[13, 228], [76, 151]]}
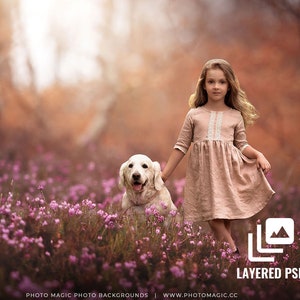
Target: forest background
{"points": [[106, 79]]}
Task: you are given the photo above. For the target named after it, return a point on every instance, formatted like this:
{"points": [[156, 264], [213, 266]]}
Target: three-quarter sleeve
{"points": [[240, 138], [185, 137]]}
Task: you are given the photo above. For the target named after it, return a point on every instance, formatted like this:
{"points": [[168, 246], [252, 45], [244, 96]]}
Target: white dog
{"points": [[144, 187]]}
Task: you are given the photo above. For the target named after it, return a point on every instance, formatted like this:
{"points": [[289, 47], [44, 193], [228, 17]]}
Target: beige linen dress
{"points": [[221, 183]]}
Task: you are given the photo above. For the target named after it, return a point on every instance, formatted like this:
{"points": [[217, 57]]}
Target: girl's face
{"points": [[216, 85]]}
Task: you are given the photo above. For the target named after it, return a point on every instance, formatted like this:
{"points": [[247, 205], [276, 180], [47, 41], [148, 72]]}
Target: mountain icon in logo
{"points": [[281, 233]]}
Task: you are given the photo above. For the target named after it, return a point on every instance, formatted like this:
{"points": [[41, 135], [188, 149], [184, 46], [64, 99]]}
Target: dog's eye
{"points": [[145, 166], [130, 166]]}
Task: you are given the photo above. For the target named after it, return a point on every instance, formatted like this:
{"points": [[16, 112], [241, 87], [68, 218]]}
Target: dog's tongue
{"points": [[137, 187]]}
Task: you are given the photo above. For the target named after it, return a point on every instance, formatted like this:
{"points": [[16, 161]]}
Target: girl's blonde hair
{"points": [[235, 98]]}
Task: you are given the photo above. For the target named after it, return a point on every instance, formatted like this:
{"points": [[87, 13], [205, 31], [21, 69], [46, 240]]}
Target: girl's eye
{"points": [[130, 166], [145, 166]]}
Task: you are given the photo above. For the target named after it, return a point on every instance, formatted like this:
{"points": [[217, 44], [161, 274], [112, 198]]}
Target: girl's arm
{"points": [[261, 161], [182, 145], [174, 159]]}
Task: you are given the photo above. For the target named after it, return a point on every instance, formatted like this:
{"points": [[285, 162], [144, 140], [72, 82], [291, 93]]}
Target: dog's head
{"points": [[140, 171]]}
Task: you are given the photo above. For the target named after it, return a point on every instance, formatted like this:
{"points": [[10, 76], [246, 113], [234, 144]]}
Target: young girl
{"points": [[225, 176]]}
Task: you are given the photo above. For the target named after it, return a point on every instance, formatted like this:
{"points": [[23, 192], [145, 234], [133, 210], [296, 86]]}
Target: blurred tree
{"points": [[110, 58], [149, 57], [136, 56], [5, 67], [5, 45], [16, 104], [290, 7]]}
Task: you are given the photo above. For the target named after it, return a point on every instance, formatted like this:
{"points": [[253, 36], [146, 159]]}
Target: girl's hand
{"points": [[262, 163]]}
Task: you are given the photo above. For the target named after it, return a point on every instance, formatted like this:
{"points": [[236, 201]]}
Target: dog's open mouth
{"points": [[138, 186]]}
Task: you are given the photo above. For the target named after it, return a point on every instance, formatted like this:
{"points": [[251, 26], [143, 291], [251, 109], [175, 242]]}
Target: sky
{"points": [[61, 39]]}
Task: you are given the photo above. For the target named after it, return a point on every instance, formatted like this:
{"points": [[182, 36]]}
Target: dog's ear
{"points": [[158, 182], [121, 175]]}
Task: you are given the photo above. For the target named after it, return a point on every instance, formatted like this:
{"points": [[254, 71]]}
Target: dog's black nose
{"points": [[136, 176]]}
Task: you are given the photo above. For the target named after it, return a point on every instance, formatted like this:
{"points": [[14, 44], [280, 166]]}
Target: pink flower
{"points": [[53, 205], [223, 254], [59, 243], [118, 266], [110, 221], [173, 213], [51, 284], [91, 166], [180, 263], [15, 275], [88, 203], [26, 285], [73, 259], [274, 264], [108, 185], [125, 283], [40, 187], [179, 185], [149, 211], [130, 264], [39, 242], [163, 205], [143, 258], [86, 257], [102, 213], [247, 291], [177, 272], [19, 233], [71, 211]]}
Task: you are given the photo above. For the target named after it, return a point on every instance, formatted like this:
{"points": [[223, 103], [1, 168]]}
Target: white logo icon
{"points": [[279, 231]]}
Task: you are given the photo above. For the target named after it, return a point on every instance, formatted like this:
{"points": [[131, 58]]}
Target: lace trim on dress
{"points": [[214, 126], [211, 125], [218, 126]]}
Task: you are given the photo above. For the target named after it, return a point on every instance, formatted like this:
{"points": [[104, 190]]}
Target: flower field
{"points": [[62, 235]]}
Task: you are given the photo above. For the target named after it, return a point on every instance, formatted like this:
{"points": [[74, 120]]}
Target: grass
{"points": [[62, 235]]}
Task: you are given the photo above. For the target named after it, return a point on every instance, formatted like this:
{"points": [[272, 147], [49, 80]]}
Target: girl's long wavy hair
{"points": [[235, 98]]}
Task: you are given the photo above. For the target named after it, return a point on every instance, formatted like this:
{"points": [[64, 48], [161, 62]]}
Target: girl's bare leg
{"points": [[228, 225], [222, 231]]}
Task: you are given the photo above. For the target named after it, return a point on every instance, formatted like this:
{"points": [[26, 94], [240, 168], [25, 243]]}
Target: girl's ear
{"points": [[122, 175], [158, 182]]}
